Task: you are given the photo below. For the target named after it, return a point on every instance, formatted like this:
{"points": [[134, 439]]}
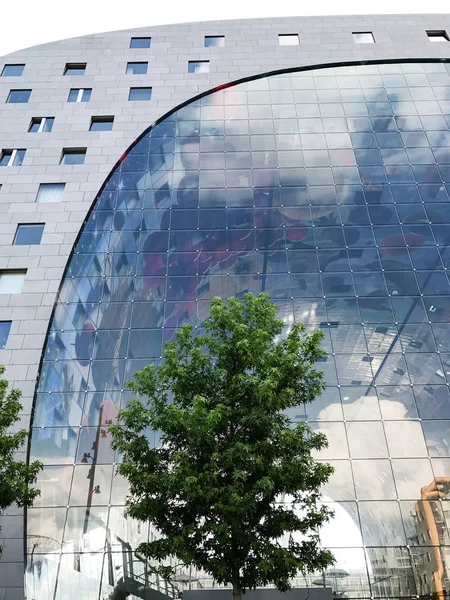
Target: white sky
{"points": [[25, 23]]}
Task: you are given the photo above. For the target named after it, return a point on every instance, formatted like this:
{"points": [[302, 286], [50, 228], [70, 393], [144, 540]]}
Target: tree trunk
{"points": [[237, 591]]}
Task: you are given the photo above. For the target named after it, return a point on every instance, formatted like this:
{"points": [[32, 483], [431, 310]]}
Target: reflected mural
{"points": [[328, 189]]}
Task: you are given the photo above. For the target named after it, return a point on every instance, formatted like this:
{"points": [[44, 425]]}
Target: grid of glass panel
{"points": [[328, 189]]}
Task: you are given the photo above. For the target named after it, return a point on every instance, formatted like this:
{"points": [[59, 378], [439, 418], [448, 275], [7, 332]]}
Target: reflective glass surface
{"points": [[140, 42], [28, 234], [75, 69], [141, 93], [18, 96], [329, 190], [137, 68], [5, 327], [212, 41], [12, 70]]}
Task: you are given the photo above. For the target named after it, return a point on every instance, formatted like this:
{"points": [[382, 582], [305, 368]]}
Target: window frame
{"points": [[75, 67], [214, 37], [139, 99], [141, 38], [9, 272], [80, 94], [6, 331], [78, 151], [198, 62], [5, 67], [18, 91], [41, 121], [42, 186], [102, 119], [130, 65], [368, 41], [25, 226], [289, 36], [12, 153], [437, 35]]}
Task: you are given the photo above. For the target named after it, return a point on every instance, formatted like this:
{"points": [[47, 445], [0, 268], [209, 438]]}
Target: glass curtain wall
{"points": [[329, 189]]}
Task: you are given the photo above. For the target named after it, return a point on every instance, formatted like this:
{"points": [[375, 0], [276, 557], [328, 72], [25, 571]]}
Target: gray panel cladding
{"points": [[251, 47]]}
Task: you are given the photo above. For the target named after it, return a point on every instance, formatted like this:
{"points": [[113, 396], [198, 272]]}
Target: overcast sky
{"points": [[25, 23]]}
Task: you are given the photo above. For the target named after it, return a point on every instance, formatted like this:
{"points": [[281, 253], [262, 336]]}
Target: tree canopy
{"points": [[232, 488], [16, 477]]}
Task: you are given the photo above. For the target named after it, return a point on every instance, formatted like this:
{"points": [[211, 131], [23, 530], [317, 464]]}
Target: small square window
{"points": [[11, 158], [140, 42], [140, 93], [79, 95], [12, 70], [73, 156], [11, 282], [437, 35], [5, 326], [75, 69], [198, 66], [50, 192], [213, 41], [363, 37], [101, 123], [18, 96], [28, 234], [288, 39], [137, 68], [41, 124]]}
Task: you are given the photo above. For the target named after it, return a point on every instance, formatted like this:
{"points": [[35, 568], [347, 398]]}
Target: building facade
{"points": [[146, 171]]}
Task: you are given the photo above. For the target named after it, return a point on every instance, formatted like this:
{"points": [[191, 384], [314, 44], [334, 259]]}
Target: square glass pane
{"points": [[405, 439], [381, 523], [367, 440], [374, 480], [391, 572], [411, 475], [340, 484], [45, 527], [346, 519], [54, 483], [54, 445]]}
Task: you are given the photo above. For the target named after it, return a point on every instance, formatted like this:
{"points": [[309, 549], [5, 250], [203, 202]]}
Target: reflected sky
{"points": [[329, 190]]}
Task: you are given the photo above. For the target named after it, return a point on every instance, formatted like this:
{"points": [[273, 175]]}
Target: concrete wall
{"points": [[251, 47]]}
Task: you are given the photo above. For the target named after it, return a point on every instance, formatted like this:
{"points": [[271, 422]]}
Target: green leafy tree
{"points": [[229, 454], [16, 477]]}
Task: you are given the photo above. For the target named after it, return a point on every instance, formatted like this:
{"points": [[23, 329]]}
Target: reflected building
{"points": [[327, 187]]}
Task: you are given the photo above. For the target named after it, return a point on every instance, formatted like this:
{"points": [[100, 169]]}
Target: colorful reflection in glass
{"points": [[329, 190]]}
